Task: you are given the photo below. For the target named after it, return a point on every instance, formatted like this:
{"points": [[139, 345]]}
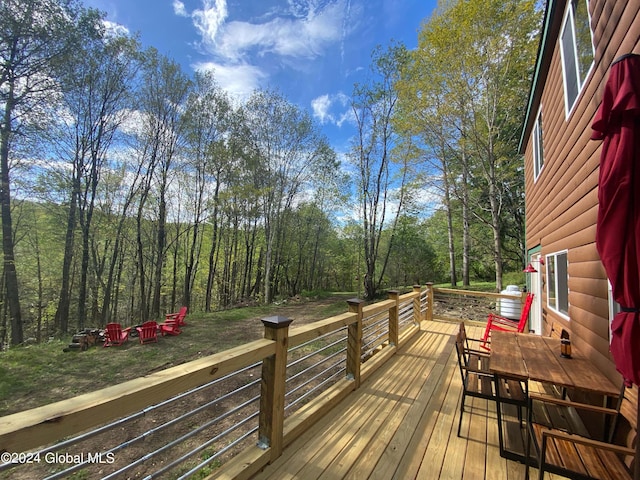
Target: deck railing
{"points": [[453, 304], [228, 414]]}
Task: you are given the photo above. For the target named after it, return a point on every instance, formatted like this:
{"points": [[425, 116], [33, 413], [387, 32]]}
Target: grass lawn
{"points": [[35, 375]]}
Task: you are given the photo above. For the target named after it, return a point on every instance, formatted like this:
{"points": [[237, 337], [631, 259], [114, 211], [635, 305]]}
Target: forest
{"points": [[130, 187]]}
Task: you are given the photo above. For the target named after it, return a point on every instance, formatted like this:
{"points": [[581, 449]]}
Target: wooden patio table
{"points": [[524, 357], [531, 357]]}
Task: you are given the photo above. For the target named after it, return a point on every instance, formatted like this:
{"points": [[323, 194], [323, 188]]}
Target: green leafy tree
{"points": [[373, 105], [96, 90], [290, 148], [35, 36], [207, 126], [465, 89]]}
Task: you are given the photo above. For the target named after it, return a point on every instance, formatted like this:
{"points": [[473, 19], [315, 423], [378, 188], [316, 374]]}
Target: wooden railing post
{"points": [[274, 372], [429, 311], [417, 306], [354, 341], [393, 317]]}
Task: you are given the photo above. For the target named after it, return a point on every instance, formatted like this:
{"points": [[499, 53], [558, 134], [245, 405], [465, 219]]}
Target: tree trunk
{"points": [[212, 264], [143, 305], [466, 235], [160, 251], [64, 301], [10, 272]]}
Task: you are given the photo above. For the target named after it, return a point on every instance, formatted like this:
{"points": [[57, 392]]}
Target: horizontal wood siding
{"points": [[562, 204]]}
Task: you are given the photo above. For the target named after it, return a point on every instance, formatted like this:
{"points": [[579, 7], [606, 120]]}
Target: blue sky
{"points": [[312, 51]]}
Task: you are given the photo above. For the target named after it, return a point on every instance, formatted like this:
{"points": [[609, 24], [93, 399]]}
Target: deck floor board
{"points": [[402, 423]]}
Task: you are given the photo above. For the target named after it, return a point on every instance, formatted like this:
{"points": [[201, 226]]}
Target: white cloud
{"points": [[179, 8], [333, 109], [209, 20], [115, 29], [244, 51], [306, 37], [321, 107], [240, 80]]}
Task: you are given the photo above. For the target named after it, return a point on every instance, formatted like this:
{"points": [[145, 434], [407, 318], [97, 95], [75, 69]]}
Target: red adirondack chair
{"points": [[115, 335], [169, 328], [148, 332], [177, 317], [498, 322]]}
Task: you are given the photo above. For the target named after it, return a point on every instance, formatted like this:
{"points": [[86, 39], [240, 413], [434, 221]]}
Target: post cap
{"points": [[276, 322]]}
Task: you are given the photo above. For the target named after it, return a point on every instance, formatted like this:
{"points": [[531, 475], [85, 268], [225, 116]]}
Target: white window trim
{"points": [[614, 307], [569, 14], [538, 156], [553, 307]]}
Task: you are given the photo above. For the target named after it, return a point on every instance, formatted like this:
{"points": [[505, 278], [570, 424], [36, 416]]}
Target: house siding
{"points": [[562, 203]]}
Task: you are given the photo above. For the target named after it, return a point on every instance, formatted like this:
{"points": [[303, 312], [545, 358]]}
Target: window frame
{"points": [[538, 146], [555, 297], [569, 19], [614, 307]]}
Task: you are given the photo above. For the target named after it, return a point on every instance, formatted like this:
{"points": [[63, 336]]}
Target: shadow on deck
{"points": [[403, 424]]}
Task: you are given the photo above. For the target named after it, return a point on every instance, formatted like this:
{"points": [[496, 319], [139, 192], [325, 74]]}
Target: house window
{"points": [[558, 282], [614, 308], [576, 46], [538, 153]]}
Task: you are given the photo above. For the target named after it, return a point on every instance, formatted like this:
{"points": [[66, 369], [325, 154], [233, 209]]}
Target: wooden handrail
{"points": [[304, 333]]}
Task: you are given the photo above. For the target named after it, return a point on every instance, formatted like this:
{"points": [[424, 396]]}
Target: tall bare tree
{"points": [[164, 91], [96, 89], [207, 125], [35, 35], [373, 107]]}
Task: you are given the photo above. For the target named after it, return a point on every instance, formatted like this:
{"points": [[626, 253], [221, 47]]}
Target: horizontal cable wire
{"points": [[129, 418], [184, 437], [315, 377], [198, 467], [316, 352], [324, 382], [171, 422], [210, 442], [315, 339]]}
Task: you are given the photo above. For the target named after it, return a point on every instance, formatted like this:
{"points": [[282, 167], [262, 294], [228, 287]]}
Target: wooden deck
{"points": [[402, 424]]}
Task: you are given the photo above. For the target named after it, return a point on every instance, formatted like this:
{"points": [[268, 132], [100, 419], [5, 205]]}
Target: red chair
{"points": [[148, 332], [497, 322], [177, 317], [115, 335], [169, 328]]}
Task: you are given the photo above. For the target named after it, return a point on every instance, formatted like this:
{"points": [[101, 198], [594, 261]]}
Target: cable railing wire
{"points": [[320, 385], [123, 421], [373, 344], [310, 380], [315, 339], [200, 466], [317, 364], [159, 428], [210, 442], [315, 352], [188, 435]]}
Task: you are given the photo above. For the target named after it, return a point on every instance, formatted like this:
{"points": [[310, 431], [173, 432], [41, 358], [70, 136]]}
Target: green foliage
{"points": [[462, 96], [515, 278], [190, 198], [316, 294]]}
